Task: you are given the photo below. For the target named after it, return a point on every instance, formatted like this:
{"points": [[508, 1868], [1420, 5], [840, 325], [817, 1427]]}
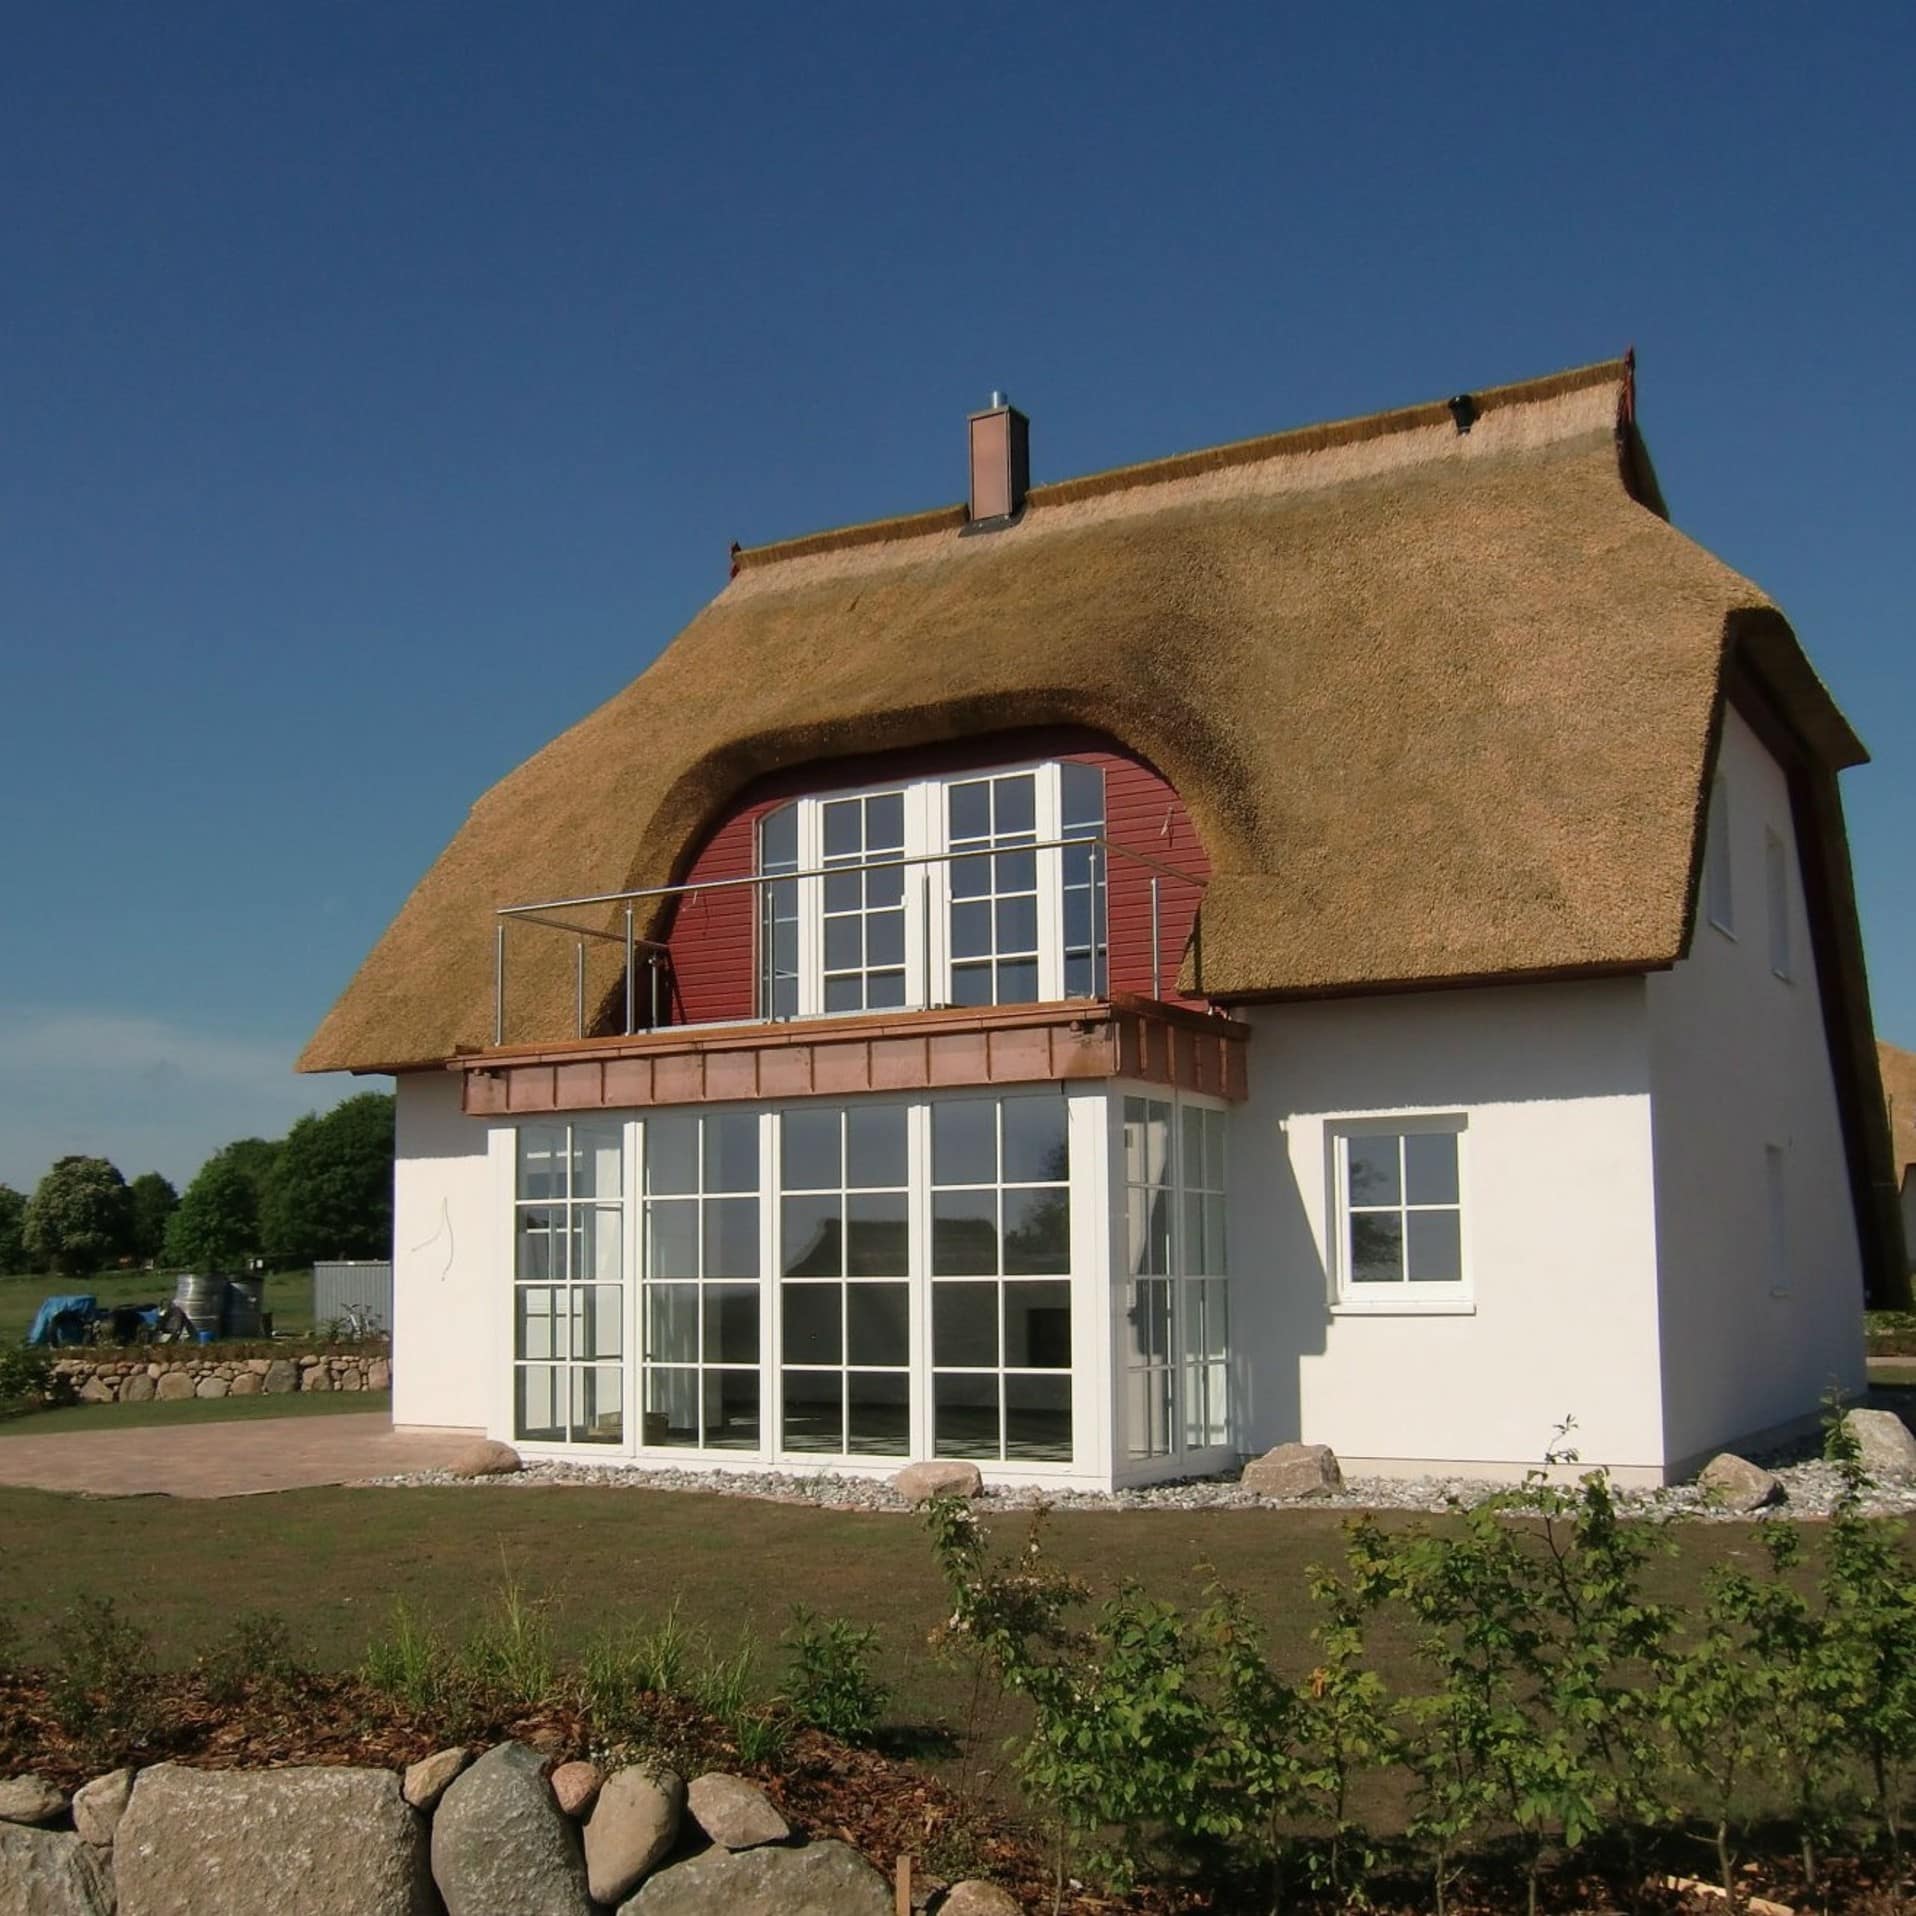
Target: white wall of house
{"points": [[1762, 1290], [450, 1242], [1557, 1314]]}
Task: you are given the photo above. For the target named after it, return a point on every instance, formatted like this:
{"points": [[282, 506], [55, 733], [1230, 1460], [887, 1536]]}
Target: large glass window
{"points": [[980, 889], [844, 1290], [1000, 1271], [569, 1284], [702, 1259]]}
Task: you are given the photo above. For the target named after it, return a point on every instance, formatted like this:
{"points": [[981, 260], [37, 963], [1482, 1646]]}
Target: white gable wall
{"points": [[1755, 1326], [449, 1247], [1560, 1316]]}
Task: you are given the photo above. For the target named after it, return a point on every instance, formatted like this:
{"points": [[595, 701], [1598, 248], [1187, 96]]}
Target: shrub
{"points": [[26, 1377], [829, 1680], [256, 1656], [100, 1687]]}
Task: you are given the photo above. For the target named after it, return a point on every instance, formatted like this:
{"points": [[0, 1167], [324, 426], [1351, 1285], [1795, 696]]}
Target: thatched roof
{"points": [[1899, 1094], [1441, 703]]}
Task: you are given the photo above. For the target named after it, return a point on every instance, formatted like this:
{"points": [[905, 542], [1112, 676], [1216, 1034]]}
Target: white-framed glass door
{"points": [[975, 912], [1172, 1302]]}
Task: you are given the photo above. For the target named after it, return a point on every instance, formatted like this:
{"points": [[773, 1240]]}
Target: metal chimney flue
{"points": [[1000, 439]]}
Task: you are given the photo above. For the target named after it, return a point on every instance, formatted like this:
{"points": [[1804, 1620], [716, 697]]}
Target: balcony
{"points": [[926, 932]]}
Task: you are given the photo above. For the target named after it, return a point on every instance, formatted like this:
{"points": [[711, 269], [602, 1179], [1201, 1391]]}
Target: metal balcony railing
{"points": [[654, 956]]}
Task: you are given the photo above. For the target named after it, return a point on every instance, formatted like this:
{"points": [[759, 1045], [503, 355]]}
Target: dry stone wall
{"points": [[140, 1377], [452, 1837]]}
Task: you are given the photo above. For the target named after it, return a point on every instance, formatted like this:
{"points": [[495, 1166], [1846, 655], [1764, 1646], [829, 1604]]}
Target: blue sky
{"points": [[382, 385]]}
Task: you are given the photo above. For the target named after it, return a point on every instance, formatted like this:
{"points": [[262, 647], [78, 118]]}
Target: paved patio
{"points": [[224, 1459]]}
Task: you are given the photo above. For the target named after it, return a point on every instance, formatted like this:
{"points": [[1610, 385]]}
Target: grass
{"points": [[289, 1296], [334, 1562], [194, 1410]]}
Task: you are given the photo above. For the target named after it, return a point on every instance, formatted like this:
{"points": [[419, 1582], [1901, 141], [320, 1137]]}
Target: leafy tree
{"points": [[217, 1223], [253, 1159], [331, 1191], [13, 1248], [79, 1216], [153, 1200]]}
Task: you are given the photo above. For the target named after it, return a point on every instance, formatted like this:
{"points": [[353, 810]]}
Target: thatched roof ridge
{"points": [[1441, 704]]}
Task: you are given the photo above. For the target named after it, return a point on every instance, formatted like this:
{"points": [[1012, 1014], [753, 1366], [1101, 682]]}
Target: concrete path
{"points": [[223, 1460]]}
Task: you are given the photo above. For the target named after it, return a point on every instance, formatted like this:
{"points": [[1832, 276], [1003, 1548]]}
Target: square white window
{"points": [[1399, 1203]]}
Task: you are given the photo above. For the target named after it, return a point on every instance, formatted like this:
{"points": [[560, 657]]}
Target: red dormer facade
{"points": [[967, 915]]}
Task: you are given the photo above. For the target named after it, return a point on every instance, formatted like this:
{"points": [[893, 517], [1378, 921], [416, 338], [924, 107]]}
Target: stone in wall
{"points": [[822, 1879], [326, 1842], [52, 1873], [499, 1842]]}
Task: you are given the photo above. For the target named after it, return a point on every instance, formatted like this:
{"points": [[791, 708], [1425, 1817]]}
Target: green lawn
{"points": [[289, 1296], [194, 1410], [334, 1561]]}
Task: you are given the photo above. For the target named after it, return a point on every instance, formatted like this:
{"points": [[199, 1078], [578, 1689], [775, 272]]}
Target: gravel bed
{"points": [[1809, 1485]]}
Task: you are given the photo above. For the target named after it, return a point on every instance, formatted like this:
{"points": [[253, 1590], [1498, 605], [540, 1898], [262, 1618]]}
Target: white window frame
{"points": [[1410, 1298], [1776, 878], [1184, 1289], [1719, 868], [1086, 1108], [928, 889]]}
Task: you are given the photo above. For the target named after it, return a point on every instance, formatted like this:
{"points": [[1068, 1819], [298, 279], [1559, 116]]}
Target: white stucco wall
{"points": [[448, 1252], [1559, 1222], [1739, 1061]]}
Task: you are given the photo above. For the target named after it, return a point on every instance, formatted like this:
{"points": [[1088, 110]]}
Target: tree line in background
{"points": [[323, 1190]]}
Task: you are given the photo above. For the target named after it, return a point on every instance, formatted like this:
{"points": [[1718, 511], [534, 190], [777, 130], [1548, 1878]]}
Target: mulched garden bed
{"points": [[881, 1805]]}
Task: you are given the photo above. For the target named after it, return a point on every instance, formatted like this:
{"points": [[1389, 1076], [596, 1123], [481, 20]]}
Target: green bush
{"points": [[829, 1680], [1551, 1701], [256, 1656], [26, 1377], [100, 1688]]}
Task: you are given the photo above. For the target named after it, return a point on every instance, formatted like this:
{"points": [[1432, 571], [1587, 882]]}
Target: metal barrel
{"points": [[243, 1302], [201, 1298]]}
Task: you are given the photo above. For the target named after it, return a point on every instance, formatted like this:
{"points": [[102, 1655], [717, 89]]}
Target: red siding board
{"points": [[713, 935]]}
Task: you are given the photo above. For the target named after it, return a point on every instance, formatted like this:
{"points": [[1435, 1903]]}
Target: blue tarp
{"points": [[47, 1330]]}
